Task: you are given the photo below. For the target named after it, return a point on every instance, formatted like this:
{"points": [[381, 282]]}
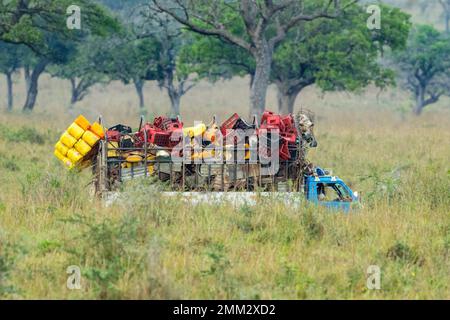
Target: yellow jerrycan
{"points": [[62, 149], [82, 147], [82, 122], [68, 140], [65, 160], [75, 131], [90, 138], [196, 131], [97, 129], [74, 156]]}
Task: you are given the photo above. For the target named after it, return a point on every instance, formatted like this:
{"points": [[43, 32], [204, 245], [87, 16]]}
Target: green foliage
{"points": [[42, 25], [109, 248], [83, 68], [340, 54], [128, 56], [23, 134], [10, 57], [9, 163], [425, 65], [219, 262], [129, 60], [313, 228], [8, 255], [213, 59], [46, 246], [384, 185], [394, 31], [428, 51], [403, 253]]}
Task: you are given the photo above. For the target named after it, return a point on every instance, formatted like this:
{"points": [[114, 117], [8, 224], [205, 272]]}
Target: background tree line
{"points": [[290, 44]]}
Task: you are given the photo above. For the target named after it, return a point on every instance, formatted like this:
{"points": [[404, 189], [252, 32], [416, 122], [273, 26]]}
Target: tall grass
{"points": [[146, 246]]}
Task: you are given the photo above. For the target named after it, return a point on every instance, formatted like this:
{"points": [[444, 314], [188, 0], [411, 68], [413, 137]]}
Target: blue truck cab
{"points": [[329, 191]]}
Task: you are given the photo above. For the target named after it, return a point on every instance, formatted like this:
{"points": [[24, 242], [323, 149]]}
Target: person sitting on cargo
{"points": [[321, 192]]}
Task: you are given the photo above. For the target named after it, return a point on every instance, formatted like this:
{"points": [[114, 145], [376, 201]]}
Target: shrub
{"points": [[108, 250], [313, 228], [8, 254], [403, 253], [23, 134]]}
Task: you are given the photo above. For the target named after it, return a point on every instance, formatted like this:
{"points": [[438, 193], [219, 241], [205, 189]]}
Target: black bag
{"points": [[243, 125], [121, 128]]}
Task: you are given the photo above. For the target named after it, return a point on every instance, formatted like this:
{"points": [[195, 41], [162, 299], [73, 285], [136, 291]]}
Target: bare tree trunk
{"points": [[27, 74], [286, 103], [446, 9], [286, 96], [173, 92], [263, 57], [287, 93], [175, 102], [418, 108], [139, 86], [33, 89], [423, 6], [420, 102], [447, 21], [74, 96], [10, 90]]}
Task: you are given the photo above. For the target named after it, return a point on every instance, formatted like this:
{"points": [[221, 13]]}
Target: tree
{"points": [[422, 4], [136, 62], [256, 26], [340, 54], [446, 12], [9, 64], [131, 58], [41, 25], [82, 69], [213, 59], [16, 14], [130, 61], [171, 73], [425, 66], [12, 58], [28, 62], [150, 52]]}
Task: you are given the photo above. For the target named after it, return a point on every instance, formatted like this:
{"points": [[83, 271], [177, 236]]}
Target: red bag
{"points": [[229, 124]]}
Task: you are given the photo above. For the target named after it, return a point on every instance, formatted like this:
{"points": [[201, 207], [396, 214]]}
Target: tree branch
{"points": [[186, 21], [283, 28]]}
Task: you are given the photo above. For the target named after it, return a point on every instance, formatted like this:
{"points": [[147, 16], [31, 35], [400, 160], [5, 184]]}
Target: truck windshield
{"points": [[330, 192]]}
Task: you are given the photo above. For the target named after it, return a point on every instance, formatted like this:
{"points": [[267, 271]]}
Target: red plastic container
{"points": [[265, 115], [289, 137], [229, 124], [157, 136], [113, 135], [172, 126], [159, 121], [284, 151], [169, 124], [160, 138], [288, 121]]}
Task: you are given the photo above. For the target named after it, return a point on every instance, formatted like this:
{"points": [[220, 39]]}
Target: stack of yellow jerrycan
{"points": [[196, 131], [77, 141]]}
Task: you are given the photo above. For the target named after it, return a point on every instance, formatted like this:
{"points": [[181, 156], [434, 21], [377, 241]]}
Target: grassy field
{"points": [[147, 247]]}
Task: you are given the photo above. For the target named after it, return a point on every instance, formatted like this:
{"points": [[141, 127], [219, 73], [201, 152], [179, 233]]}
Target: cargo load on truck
{"points": [[263, 155]]}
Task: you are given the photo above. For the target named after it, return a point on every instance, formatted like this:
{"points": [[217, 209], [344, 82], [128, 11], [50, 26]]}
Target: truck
{"points": [[125, 155]]}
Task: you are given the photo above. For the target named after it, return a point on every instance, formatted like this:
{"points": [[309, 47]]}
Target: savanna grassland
{"points": [[148, 247]]}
